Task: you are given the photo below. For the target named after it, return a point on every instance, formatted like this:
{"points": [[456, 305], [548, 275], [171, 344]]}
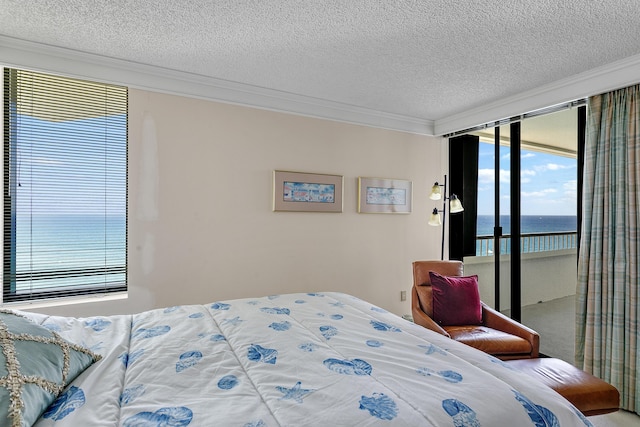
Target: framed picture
{"points": [[307, 192], [379, 195]]}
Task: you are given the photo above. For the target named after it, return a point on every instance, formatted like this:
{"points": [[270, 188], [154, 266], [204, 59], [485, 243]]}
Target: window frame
{"points": [[10, 293]]}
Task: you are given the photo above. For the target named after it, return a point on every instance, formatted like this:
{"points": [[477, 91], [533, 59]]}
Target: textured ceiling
{"points": [[426, 59]]}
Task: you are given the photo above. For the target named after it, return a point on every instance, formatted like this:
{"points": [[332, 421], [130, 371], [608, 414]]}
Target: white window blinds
{"points": [[65, 186]]}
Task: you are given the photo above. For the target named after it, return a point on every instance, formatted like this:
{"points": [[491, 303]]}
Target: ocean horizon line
{"points": [[530, 215], [528, 224]]}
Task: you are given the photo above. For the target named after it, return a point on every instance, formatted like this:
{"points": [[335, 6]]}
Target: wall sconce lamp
{"points": [[455, 206]]}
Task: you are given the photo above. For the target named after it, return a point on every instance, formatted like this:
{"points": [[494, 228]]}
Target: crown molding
{"points": [[52, 59], [599, 80]]}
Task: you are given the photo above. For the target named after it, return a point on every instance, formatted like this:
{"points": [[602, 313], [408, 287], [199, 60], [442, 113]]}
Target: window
{"points": [[548, 199], [65, 187]]}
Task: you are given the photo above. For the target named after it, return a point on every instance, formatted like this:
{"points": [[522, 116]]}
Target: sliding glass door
{"points": [[549, 226], [527, 219]]}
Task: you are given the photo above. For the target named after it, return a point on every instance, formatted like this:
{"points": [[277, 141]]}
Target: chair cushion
{"points": [[422, 281], [421, 270], [490, 340], [456, 300]]}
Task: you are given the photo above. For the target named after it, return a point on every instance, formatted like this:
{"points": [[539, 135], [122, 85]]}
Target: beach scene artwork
{"points": [[308, 192]]}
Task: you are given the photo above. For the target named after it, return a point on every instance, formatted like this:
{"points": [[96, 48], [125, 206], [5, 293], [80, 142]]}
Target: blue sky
{"points": [[548, 182], [71, 167]]}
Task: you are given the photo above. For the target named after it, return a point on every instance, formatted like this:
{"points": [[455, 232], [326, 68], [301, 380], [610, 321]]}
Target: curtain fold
{"points": [[607, 294]]}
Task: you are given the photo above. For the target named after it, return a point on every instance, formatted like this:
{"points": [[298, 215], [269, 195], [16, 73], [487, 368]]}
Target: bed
{"points": [[324, 359]]}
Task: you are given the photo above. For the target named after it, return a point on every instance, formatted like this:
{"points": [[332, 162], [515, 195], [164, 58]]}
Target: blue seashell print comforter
{"points": [[325, 359]]}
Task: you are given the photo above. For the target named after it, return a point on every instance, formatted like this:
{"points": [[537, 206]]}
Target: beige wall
{"points": [[201, 225]]}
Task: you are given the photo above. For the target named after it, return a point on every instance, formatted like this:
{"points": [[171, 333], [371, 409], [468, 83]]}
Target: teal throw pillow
{"points": [[36, 364]]}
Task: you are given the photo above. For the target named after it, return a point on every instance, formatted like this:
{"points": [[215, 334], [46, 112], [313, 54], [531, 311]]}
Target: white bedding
{"points": [[325, 359]]}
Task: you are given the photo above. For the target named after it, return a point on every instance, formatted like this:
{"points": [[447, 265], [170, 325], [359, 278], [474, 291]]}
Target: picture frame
{"points": [[307, 192], [381, 195]]}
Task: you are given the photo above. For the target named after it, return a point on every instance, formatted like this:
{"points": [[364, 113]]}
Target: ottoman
{"points": [[588, 393]]}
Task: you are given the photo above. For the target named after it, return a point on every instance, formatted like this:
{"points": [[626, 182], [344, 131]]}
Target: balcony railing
{"points": [[529, 242]]}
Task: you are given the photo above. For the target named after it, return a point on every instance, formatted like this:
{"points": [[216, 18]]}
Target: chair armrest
{"points": [[496, 320], [421, 318]]}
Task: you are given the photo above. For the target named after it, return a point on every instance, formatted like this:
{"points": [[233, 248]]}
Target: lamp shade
{"points": [[434, 218], [436, 193], [455, 205]]}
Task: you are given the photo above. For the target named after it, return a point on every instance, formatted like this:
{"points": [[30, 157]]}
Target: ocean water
{"points": [[58, 247], [529, 224]]}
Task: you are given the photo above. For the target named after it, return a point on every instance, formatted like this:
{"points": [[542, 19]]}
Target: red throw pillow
{"points": [[456, 300]]}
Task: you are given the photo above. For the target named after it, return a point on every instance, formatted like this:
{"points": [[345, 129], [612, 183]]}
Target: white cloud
{"points": [[552, 167], [505, 176], [486, 176], [507, 156], [539, 193], [571, 189], [525, 174], [571, 185]]}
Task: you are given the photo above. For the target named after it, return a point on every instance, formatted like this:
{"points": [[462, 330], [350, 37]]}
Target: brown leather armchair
{"points": [[498, 334]]}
